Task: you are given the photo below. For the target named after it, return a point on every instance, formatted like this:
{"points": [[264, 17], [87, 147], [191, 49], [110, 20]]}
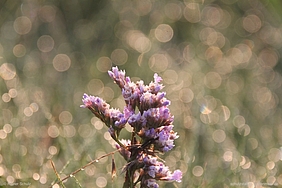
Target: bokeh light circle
{"points": [[164, 33], [95, 86], [211, 16], [19, 50], [47, 13], [173, 11], [104, 64], [119, 56], [45, 43], [212, 80], [7, 71], [158, 62], [192, 12], [198, 171], [53, 131], [101, 182], [186, 95], [218, 136], [252, 23], [22, 25], [170, 76], [61, 62], [65, 117], [6, 98], [138, 41]]}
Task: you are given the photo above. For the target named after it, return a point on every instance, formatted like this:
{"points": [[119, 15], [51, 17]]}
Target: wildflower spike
{"points": [[147, 112]]}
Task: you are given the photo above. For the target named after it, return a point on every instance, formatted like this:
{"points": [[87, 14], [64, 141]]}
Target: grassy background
{"points": [[220, 61]]}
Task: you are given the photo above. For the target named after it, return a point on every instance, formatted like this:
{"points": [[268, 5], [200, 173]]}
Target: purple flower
{"points": [[149, 100], [137, 121], [166, 137], [155, 87], [157, 78], [176, 176], [128, 112], [158, 171], [147, 112], [110, 116], [140, 85], [151, 133], [94, 102], [131, 94], [118, 76], [157, 117], [151, 183]]}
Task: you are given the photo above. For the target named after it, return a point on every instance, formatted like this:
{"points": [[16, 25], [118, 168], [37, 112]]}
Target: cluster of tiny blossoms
{"points": [[147, 112]]}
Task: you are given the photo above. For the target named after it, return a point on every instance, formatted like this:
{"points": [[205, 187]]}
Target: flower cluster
{"points": [[113, 118], [152, 129], [156, 170]]}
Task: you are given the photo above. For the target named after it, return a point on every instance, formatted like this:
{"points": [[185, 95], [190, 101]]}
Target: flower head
{"points": [[110, 116], [156, 170], [149, 100], [147, 112], [118, 76]]}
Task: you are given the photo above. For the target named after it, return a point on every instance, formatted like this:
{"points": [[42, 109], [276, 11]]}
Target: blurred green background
{"points": [[221, 67]]}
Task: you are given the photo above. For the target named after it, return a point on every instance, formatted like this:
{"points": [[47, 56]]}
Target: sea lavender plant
{"points": [[147, 112]]}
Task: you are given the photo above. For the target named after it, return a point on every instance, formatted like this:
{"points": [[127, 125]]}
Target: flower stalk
{"points": [[147, 112]]}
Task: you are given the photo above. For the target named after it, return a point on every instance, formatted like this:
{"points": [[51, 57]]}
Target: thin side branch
{"points": [[78, 170], [57, 174]]}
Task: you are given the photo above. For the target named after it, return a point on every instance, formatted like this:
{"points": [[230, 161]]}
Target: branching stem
{"points": [[80, 169]]}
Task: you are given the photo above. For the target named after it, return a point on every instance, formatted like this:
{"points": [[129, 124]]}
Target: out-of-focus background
{"points": [[221, 67]]}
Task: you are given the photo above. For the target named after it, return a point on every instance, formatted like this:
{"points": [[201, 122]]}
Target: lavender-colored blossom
{"points": [[157, 78], [149, 160], [141, 87], [156, 170], [150, 183], [155, 87], [176, 176], [118, 76], [130, 90], [152, 128], [149, 100], [97, 105], [166, 137], [151, 133], [94, 102], [130, 94], [110, 116], [128, 112], [137, 121], [157, 117]]}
